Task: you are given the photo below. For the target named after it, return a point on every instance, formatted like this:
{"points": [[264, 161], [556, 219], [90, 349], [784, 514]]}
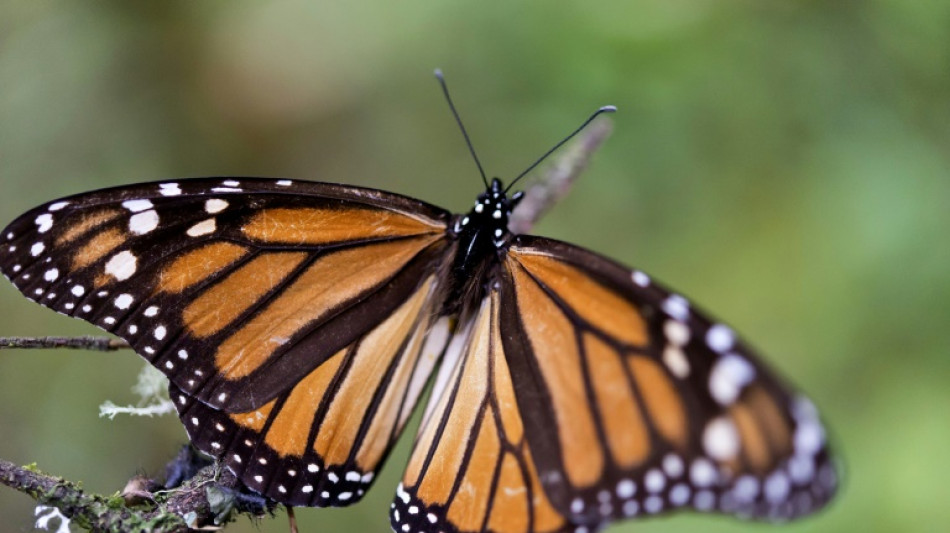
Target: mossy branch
{"points": [[206, 501]]}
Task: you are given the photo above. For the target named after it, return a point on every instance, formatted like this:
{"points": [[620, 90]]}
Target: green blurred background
{"points": [[783, 163]]}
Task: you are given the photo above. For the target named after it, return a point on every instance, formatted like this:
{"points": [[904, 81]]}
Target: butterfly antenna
{"points": [[445, 90], [605, 109]]}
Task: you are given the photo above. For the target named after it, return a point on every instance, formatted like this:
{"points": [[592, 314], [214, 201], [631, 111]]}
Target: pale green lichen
{"points": [[152, 390]]}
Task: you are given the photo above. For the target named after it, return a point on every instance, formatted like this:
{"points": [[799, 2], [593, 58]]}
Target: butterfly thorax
{"points": [[480, 234]]}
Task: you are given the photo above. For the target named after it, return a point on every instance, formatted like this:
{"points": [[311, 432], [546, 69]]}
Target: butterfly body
{"points": [[299, 322], [482, 235]]}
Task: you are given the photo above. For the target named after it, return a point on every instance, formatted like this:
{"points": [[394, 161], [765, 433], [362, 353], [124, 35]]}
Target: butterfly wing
{"points": [[322, 442], [471, 468], [260, 298], [614, 397]]}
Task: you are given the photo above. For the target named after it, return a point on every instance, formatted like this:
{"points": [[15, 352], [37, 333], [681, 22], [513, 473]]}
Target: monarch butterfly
{"points": [[299, 322]]}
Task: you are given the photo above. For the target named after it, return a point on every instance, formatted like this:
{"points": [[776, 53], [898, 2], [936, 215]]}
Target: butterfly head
{"points": [[490, 213]]}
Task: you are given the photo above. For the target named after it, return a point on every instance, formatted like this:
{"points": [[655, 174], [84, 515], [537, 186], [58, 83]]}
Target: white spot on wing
{"points": [[37, 249], [702, 472], [676, 332], [679, 494], [284, 183], [144, 222], [122, 265], [51, 274], [720, 439], [57, 206], [215, 205], [202, 228], [45, 222], [640, 278], [137, 205], [654, 481], [626, 489], [676, 361], [123, 301], [169, 189], [776, 487], [78, 290], [677, 307], [720, 338], [673, 465], [728, 377]]}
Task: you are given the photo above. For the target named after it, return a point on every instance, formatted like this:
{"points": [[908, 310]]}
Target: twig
{"points": [[206, 501], [100, 344], [556, 183], [89, 511]]}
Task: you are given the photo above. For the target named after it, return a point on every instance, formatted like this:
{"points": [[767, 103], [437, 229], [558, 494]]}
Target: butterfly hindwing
{"points": [[641, 404], [471, 468]]}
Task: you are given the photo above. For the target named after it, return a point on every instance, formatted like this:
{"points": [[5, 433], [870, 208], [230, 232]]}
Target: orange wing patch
{"points": [[662, 400], [229, 298], [254, 420], [764, 434], [313, 226], [288, 433], [627, 435], [372, 356], [86, 224], [596, 303], [332, 280], [556, 352], [198, 265], [471, 469], [97, 247]]}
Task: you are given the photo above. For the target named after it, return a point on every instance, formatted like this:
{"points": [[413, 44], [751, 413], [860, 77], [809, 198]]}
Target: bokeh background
{"points": [[786, 164]]}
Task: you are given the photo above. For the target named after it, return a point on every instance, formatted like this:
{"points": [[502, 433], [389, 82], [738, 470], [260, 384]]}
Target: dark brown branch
{"points": [[100, 344]]}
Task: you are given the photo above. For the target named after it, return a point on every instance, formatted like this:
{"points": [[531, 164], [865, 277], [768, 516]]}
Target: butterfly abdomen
{"points": [[482, 234]]}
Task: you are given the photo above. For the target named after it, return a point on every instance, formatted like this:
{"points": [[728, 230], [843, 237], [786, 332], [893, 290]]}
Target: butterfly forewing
{"points": [[227, 285], [289, 317]]}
